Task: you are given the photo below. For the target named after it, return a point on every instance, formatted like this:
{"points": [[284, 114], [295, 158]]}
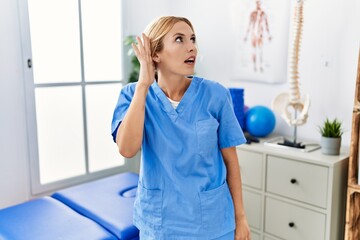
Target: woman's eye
{"points": [[193, 39], [178, 39]]}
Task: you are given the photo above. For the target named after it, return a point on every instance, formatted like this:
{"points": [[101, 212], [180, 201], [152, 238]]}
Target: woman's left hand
{"points": [[242, 231]]}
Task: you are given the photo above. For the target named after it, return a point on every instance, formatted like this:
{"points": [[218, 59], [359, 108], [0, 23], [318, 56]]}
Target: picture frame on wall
{"points": [[261, 40]]}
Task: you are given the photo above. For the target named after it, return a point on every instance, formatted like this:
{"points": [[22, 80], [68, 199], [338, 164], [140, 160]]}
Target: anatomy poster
{"points": [[261, 41]]}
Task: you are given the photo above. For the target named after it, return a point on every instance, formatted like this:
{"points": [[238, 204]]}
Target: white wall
{"points": [[331, 35], [329, 54], [328, 64], [14, 168]]}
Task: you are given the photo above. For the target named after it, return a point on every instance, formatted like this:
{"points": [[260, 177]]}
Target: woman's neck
{"points": [[175, 87]]}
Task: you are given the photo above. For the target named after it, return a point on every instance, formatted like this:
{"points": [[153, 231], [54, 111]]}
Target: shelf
{"points": [[354, 187], [352, 227], [353, 177]]}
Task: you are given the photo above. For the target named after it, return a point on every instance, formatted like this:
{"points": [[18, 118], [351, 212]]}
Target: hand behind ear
{"points": [[143, 54]]}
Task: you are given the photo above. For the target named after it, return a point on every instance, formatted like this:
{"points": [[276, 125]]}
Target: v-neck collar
{"points": [[185, 100]]}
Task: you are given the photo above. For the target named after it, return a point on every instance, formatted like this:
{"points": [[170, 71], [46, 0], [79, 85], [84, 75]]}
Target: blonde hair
{"points": [[158, 28]]}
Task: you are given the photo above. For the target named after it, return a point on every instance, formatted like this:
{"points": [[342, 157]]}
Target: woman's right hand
{"points": [[130, 132], [143, 54]]}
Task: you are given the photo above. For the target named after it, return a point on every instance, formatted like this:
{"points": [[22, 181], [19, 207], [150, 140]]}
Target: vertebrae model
{"points": [[284, 101]]}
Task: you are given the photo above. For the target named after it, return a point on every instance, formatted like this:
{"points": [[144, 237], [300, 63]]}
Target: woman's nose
{"points": [[191, 47]]}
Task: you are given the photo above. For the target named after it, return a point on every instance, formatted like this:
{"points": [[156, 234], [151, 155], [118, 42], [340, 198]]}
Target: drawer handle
{"points": [[293, 181], [291, 224]]}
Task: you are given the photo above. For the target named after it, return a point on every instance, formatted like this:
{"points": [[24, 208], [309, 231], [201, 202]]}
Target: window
{"points": [[73, 78]]}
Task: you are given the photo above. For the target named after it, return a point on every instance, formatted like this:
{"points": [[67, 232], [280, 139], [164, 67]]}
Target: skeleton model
{"points": [[292, 99], [258, 22]]}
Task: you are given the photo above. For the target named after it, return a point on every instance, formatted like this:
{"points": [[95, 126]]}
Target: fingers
{"points": [[136, 50], [143, 53], [139, 42], [142, 48], [146, 44], [138, 47]]}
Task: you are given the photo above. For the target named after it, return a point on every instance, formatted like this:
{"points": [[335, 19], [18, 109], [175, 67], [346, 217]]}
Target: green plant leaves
{"points": [[135, 65], [331, 129]]}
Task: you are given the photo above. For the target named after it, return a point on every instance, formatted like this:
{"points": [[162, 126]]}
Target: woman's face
{"points": [[179, 51]]}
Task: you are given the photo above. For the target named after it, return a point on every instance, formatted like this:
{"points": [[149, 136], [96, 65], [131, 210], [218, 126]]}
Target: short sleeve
{"points": [[121, 108], [230, 132]]}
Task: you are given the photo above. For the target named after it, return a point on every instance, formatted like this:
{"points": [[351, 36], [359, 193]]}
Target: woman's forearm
{"points": [[130, 132], [234, 180], [242, 230]]}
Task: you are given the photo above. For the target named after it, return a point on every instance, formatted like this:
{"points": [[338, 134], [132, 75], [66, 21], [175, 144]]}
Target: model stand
{"points": [[292, 99]]}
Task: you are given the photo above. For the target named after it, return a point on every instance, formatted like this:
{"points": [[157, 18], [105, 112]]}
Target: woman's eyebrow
{"points": [[181, 34], [178, 34]]}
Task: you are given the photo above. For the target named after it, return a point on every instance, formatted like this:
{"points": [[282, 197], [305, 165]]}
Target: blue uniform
{"points": [[182, 192]]}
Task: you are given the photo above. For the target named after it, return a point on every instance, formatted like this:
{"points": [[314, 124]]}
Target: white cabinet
{"points": [[293, 195]]}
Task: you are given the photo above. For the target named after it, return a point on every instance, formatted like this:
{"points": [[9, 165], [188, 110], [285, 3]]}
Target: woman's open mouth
{"points": [[190, 60]]}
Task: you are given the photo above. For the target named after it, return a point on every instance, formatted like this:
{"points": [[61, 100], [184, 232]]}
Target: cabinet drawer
{"points": [[251, 166], [252, 205], [291, 222], [297, 180]]}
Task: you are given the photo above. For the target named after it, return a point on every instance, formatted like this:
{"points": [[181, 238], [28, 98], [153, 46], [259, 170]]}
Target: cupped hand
{"points": [[143, 54]]}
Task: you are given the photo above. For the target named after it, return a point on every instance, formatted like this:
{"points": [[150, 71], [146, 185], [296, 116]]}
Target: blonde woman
{"points": [[189, 182]]}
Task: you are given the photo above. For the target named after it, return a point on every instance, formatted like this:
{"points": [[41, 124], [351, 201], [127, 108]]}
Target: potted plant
{"points": [[331, 132], [135, 65]]}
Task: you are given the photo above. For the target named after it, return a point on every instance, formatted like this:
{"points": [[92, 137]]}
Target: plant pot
{"points": [[330, 146]]}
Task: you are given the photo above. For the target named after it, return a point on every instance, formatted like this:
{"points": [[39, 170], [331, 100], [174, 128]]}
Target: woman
{"points": [[189, 184]]}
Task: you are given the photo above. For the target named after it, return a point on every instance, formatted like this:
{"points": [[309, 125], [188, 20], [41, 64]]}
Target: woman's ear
{"points": [[156, 58]]}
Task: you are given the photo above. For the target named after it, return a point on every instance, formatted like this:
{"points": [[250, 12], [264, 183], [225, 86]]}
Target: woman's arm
{"points": [[130, 132], [234, 181]]}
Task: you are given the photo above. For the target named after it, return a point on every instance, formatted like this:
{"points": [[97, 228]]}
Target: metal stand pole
{"points": [[295, 127]]}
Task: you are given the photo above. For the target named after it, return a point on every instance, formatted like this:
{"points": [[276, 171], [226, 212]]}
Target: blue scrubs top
{"points": [[182, 192]]}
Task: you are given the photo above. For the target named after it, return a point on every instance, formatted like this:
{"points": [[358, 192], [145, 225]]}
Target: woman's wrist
{"points": [[240, 216], [142, 85]]}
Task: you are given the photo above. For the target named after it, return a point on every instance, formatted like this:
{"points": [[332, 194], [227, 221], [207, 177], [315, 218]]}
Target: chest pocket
{"points": [[207, 137]]}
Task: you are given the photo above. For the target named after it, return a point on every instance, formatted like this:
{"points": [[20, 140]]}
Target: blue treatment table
{"points": [[97, 210], [108, 201], [45, 219]]}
